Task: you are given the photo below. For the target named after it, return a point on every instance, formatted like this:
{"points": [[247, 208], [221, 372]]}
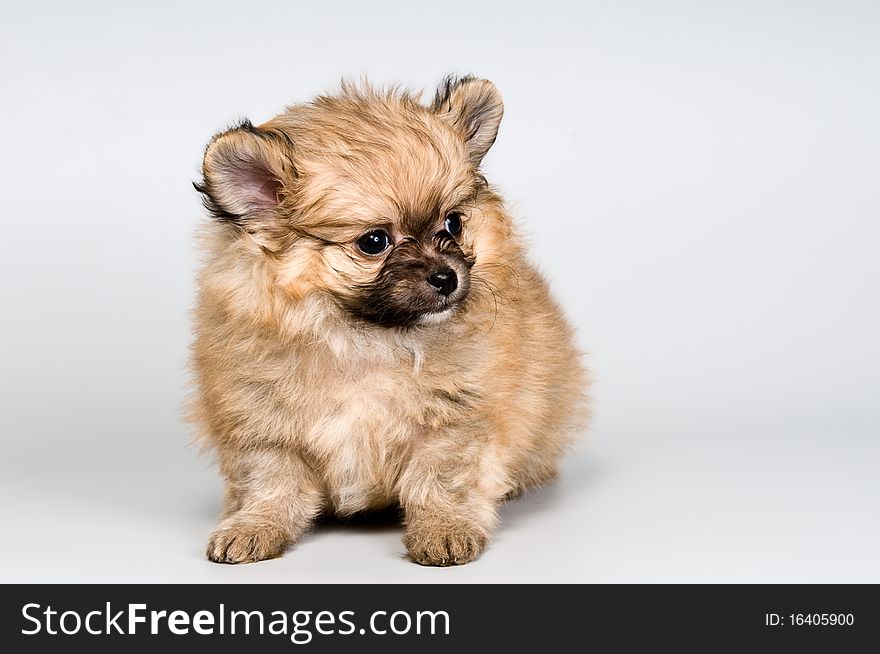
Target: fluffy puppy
{"points": [[368, 331]]}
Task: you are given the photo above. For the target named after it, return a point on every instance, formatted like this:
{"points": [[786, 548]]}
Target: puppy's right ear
{"points": [[246, 173]]}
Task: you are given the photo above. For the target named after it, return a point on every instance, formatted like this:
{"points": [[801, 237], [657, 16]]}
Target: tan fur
{"points": [[310, 409]]}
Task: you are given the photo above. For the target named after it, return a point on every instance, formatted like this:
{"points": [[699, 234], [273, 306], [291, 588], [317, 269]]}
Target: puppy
{"points": [[368, 332]]}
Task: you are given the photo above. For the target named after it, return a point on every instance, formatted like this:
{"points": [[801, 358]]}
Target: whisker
{"points": [[494, 300]]}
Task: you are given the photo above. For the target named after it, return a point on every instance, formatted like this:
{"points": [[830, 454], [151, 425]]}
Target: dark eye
{"points": [[453, 223], [374, 242]]}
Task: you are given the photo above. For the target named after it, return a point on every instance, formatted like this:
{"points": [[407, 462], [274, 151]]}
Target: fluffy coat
{"points": [[329, 380]]}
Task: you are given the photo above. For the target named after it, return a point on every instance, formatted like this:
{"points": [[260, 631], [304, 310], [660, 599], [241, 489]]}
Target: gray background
{"points": [[698, 180]]}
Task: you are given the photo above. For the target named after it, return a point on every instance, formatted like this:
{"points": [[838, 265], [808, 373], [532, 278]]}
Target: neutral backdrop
{"points": [[698, 180]]}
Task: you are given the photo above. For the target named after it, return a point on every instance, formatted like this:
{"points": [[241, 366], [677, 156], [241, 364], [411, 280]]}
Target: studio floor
{"points": [[683, 505]]}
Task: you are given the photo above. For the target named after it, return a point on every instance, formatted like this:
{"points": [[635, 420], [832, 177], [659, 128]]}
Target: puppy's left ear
{"points": [[473, 107]]}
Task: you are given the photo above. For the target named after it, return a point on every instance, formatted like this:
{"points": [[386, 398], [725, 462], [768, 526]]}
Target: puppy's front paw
{"points": [[246, 540], [443, 542]]}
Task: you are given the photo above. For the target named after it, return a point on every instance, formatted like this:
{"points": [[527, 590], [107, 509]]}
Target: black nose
{"points": [[444, 280]]}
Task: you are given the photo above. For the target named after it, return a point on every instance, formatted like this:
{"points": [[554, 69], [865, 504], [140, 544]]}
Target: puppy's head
{"points": [[370, 198]]}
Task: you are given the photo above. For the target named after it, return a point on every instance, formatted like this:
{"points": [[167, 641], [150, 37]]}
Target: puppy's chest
{"points": [[360, 440]]}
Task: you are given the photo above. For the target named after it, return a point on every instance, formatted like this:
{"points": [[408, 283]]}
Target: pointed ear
{"points": [[245, 172], [474, 107]]}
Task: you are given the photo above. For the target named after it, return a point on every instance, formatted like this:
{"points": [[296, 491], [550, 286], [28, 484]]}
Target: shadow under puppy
{"points": [[368, 331]]}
